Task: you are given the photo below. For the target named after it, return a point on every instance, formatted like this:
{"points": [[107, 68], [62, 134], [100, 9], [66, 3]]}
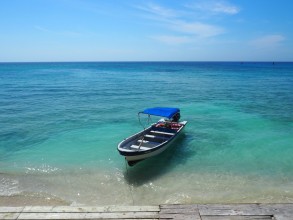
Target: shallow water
{"points": [[61, 123]]}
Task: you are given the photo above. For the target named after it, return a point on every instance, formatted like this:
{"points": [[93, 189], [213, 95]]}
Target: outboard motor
{"points": [[176, 117]]}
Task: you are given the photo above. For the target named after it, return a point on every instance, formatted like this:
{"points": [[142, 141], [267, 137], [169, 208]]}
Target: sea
{"points": [[60, 124]]}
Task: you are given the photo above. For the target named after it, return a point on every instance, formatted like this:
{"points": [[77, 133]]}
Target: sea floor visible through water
{"points": [[61, 123], [171, 188]]}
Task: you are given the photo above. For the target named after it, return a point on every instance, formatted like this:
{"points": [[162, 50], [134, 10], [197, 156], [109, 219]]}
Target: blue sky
{"points": [[155, 30]]}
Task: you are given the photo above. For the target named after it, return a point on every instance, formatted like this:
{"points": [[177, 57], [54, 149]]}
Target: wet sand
{"points": [[21, 200]]}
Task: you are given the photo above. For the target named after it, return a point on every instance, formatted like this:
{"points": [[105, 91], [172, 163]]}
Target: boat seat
{"points": [[161, 132], [156, 137], [148, 142], [140, 148], [168, 130]]}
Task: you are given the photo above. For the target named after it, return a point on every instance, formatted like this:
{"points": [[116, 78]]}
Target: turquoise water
{"points": [[61, 123]]}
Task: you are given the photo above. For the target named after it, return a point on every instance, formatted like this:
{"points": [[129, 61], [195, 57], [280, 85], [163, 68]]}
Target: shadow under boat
{"points": [[157, 166]]}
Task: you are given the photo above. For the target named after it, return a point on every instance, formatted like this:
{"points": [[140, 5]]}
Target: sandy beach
{"points": [[26, 200]]}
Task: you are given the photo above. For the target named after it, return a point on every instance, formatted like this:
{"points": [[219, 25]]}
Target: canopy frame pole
{"points": [[144, 127]]}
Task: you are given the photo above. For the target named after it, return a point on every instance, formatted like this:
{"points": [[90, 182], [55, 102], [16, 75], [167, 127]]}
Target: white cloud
{"points": [[174, 40], [175, 21], [54, 32], [216, 7], [197, 28], [158, 11], [42, 29], [268, 41]]}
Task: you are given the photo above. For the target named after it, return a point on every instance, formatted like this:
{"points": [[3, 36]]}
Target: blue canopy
{"points": [[161, 111]]}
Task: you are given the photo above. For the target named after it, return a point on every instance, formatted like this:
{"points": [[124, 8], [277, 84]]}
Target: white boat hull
{"points": [[149, 142]]}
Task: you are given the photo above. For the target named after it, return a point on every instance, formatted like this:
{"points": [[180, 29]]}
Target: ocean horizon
{"points": [[61, 123]]}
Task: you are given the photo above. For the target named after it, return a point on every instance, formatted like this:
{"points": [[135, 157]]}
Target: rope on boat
{"points": [[128, 184]]}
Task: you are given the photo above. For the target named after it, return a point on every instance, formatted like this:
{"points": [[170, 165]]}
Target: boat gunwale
{"points": [[128, 152]]}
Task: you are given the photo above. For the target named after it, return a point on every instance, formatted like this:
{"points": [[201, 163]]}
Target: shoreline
{"points": [[113, 189], [50, 200], [26, 200]]}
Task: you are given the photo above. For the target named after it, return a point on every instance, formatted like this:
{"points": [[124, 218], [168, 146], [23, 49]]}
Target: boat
{"points": [[155, 138]]}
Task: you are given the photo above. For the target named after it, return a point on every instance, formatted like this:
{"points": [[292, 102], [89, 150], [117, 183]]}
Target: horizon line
{"points": [[173, 61]]}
